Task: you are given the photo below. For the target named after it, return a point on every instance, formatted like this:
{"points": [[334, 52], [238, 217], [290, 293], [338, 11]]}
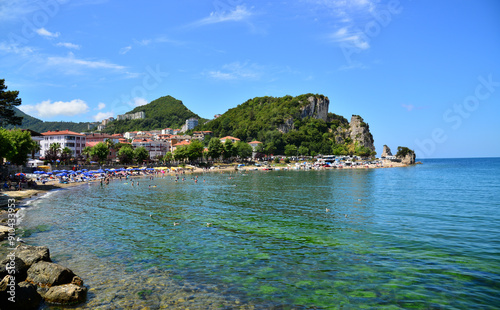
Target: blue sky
{"points": [[423, 74]]}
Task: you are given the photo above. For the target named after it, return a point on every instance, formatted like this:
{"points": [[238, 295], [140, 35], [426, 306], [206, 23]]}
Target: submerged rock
{"points": [[66, 294]]}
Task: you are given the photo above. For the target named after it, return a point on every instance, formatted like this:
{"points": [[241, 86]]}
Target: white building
{"points": [[167, 131], [233, 139], [72, 140], [138, 115], [130, 135], [190, 124]]}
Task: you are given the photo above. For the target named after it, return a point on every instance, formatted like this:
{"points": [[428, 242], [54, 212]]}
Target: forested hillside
{"points": [[164, 112], [37, 125], [288, 125]]}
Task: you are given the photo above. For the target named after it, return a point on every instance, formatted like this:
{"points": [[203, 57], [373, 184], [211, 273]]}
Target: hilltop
{"points": [[299, 124], [160, 113]]}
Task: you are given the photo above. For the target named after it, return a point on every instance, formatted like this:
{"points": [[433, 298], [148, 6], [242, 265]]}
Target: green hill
{"points": [[164, 112], [301, 125], [38, 125]]}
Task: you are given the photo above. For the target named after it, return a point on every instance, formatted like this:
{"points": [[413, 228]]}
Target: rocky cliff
{"points": [[358, 132], [386, 152], [317, 108]]}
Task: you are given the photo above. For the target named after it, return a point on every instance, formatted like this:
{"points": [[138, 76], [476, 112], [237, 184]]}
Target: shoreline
{"points": [[25, 194]]}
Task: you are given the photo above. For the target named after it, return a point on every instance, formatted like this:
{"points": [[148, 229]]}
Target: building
{"points": [[155, 148], [101, 137], [130, 135], [138, 115], [112, 152], [190, 124], [106, 121], [233, 139], [200, 135], [167, 131], [72, 140], [182, 143], [254, 144]]}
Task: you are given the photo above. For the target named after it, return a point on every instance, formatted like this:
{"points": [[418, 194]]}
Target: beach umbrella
{"points": [[100, 171], [50, 173], [78, 171], [85, 170], [20, 174], [39, 172]]}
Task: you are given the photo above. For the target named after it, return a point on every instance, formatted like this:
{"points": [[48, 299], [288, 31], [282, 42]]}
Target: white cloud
{"points": [[13, 48], [354, 38], [102, 115], [71, 65], [101, 106], [349, 18], [125, 50], [49, 109], [15, 9], [235, 71], [69, 45], [137, 102], [45, 33], [239, 13]]}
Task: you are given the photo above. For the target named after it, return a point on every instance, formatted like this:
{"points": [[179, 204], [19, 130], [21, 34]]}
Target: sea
{"points": [[420, 237]]}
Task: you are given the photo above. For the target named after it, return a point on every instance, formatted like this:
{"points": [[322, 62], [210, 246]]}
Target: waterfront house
{"points": [[72, 140]]}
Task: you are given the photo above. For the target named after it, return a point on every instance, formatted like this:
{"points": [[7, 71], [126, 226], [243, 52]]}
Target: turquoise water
{"points": [[422, 237]]}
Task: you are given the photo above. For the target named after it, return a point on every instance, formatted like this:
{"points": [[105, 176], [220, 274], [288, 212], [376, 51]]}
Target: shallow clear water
{"points": [[425, 237]]}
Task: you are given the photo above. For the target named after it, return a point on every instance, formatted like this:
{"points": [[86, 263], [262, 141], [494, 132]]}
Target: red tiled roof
{"points": [[142, 140], [255, 142], [61, 132], [182, 143], [91, 144], [230, 138]]}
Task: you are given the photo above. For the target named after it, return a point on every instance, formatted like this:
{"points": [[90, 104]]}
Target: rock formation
{"points": [[358, 132], [386, 152], [406, 155], [36, 277], [317, 108]]}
